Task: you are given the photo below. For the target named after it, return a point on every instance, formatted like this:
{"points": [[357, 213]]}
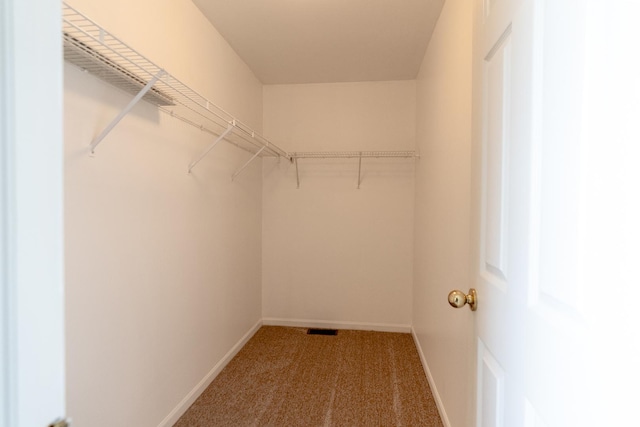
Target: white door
{"points": [[31, 223], [557, 113]]}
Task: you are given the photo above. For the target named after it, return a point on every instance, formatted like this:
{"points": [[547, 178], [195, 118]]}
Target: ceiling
{"points": [[321, 41]]}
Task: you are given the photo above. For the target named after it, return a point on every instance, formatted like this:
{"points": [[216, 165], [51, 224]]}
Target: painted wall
{"points": [[442, 211], [333, 254], [163, 268]]}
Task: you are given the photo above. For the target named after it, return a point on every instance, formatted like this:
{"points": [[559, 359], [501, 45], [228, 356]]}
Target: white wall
{"points": [[443, 211], [163, 268], [333, 253]]}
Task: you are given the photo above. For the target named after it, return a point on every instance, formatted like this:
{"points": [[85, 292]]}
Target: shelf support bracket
{"points": [[295, 160], [98, 139], [247, 164], [210, 147], [359, 170]]}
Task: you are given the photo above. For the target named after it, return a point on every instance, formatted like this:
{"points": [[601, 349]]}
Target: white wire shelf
{"points": [[353, 154], [349, 155], [92, 48], [95, 50]]}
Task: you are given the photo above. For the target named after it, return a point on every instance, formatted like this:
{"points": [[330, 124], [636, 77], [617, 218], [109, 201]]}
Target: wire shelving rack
{"points": [[349, 155], [95, 50]]}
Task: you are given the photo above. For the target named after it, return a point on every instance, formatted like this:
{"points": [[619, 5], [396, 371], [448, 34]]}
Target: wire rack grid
{"points": [[95, 50]]}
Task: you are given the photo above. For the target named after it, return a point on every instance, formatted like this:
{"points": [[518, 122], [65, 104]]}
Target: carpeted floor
{"points": [[284, 377]]}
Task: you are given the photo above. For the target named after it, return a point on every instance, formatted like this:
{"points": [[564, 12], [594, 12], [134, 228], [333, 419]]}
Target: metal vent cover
{"points": [[318, 331]]}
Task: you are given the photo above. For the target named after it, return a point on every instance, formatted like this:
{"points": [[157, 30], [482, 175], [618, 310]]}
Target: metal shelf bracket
{"points": [[98, 139], [210, 147], [239, 171], [359, 169]]}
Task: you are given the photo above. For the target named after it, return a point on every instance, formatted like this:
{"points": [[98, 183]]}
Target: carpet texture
{"points": [[284, 377]]}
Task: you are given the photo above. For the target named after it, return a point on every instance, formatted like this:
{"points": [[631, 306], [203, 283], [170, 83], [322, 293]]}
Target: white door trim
{"points": [[7, 386], [31, 214]]}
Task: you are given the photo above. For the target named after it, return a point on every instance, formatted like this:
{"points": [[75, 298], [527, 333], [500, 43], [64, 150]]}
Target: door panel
{"points": [[556, 354], [557, 120], [505, 362], [558, 64], [491, 388], [496, 121], [495, 320], [610, 206]]}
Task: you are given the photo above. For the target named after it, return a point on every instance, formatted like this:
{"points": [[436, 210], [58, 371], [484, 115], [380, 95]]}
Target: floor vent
{"points": [[313, 331]]}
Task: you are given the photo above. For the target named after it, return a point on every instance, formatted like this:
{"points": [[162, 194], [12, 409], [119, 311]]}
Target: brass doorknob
{"points": [[458, 299]]}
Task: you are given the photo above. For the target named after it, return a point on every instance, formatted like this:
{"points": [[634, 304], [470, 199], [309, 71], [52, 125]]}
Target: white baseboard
{"points": [[432, 384], [182, 407], [305, 323]]}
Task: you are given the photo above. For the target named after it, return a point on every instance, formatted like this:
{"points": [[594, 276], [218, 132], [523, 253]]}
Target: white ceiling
{"points": [[320, 41]]}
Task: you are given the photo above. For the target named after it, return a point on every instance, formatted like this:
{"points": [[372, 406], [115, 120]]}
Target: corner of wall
{"points": [[442, 239], [432, 384], [191, 397]]}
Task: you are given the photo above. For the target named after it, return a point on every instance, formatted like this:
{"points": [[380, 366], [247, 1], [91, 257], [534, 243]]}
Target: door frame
{"points": [[32, 385]]}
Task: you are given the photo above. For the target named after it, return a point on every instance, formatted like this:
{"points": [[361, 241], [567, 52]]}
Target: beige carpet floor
{"points": [[284, 377]]}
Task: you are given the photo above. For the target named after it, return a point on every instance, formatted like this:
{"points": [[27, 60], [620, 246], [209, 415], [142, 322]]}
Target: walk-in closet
{"points": [[318, 212], [204, 200]]}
